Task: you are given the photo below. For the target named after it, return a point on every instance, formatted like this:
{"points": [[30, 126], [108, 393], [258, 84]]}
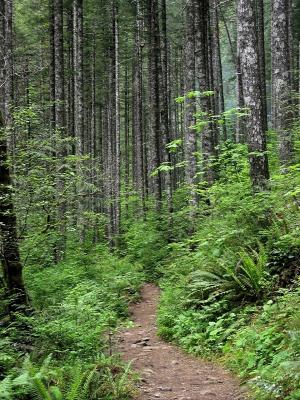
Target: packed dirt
{"points": [[166, 372]]}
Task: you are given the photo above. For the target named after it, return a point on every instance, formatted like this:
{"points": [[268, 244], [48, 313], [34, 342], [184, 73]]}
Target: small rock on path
{"points": [[166, 372]]}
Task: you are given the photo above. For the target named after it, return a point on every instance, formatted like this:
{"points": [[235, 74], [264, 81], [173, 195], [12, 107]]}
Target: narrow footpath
{"points": [[166, 372]]}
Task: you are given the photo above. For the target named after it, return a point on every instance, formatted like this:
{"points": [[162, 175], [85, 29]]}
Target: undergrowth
{"points": [[231, 291], [64, 350]]}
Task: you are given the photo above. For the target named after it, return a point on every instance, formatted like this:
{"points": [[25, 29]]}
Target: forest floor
{"points": [[166, 372]]}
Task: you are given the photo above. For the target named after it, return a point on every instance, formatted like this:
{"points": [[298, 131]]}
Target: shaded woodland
{"points": [[148, 140]]}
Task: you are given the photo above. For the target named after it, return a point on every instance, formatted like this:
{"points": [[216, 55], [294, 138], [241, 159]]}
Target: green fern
{"points": [[87, 383], [38, 377], [253, 270], [118, 385], [6, 388], [76, 384], [247, 279]]}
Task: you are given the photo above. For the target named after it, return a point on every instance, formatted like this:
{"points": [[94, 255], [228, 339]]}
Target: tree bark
{"points": [[190, 141], [137, 108], [116, 124], [8, 68], [217, 65], [165, 104], [70, 84], [204, 75], [126, 141], [2, 54], [281, 79], [10, 256], [262, 59], [78, 107], [248, 54], [59, 122], [155, 184]]}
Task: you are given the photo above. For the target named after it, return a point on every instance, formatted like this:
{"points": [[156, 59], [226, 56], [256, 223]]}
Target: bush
{"points": [[267, 351], [78, 305], [222, 287]]}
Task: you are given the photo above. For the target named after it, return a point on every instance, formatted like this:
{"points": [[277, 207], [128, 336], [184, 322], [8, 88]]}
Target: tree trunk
{"points": [[8, 68], [154, 161], [59, 122], [70, 84], [126, 141], [164, 104], [2, 54], [281, 79], [204, 75], [262, 59], [190, 141], [137, 108], [10, 256], [241, 130], [217, 65], [248, 54], [116, 125], [78, 107]]}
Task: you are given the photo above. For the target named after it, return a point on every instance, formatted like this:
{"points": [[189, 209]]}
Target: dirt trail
{"points": [[166, 372]]}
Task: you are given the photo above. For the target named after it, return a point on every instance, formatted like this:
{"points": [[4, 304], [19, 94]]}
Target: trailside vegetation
{"points": [[148, 140]]}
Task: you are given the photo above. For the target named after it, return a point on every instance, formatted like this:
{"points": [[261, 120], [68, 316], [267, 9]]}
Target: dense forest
{"points": [[148, 141]]}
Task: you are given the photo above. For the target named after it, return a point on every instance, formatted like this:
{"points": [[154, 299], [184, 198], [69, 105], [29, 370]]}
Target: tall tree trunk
{"points": [[94, 131], [59, 122], [10, 256], [240, 135], [155, 184], [110, 165], [137, 107], [281, 79], [190, 141], [248, 54], [262, 59], [217, 64], [70, 83], [204, 76], [59, 66], [164, 104], [51, 66], [8, 68], [126, 140], [2, 54], [78, 106], [117, 151]]}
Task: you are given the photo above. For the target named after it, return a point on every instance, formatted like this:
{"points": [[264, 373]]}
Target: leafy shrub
{"points": [[222, 291], [78, 306], [105, 379], [267, 351], [146, 243]]}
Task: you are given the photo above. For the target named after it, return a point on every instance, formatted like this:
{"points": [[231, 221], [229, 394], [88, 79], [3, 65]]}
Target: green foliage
{"points": [[79, 304], [105, 379], [221, 287], [267, 351], [146, 243], [174, 145]]}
